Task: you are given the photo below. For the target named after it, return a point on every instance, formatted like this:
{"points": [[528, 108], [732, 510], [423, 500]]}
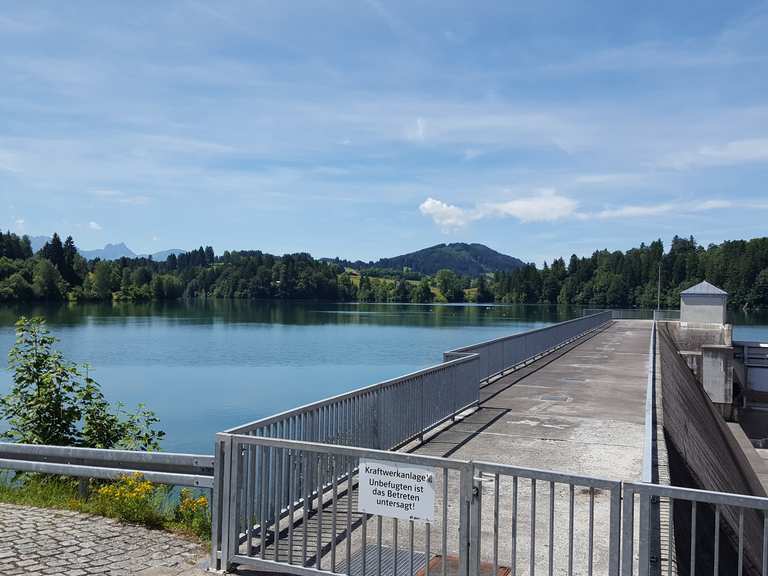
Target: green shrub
{"points": [[53, 401]]}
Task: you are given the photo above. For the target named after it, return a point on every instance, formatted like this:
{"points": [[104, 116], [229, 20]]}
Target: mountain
{"points": [[109, 252], [464, 259], [162, 256], [38, 242]]}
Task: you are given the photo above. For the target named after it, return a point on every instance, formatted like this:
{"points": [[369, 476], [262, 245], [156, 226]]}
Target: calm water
{"points": [[207, 366]]}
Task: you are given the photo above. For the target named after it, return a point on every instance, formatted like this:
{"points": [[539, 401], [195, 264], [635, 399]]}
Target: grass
{"points": [[130, 499]]}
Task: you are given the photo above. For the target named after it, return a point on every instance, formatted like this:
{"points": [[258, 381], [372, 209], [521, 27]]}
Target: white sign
{"points": [[398, 490]]}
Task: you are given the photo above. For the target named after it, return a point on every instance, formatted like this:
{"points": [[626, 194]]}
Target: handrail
{"points": [[527, 333], [194, 470], [650, 415], [472, 368], [346, 395], [499, 355]]}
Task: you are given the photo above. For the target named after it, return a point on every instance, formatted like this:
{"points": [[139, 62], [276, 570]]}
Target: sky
{"points": [[364, 129]]}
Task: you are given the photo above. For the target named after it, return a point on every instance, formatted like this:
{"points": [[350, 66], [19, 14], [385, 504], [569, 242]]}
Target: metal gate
{"points": [[293, 506]]}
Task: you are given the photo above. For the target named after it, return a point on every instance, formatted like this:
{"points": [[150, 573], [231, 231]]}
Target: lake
{"points": [[205, 366]]}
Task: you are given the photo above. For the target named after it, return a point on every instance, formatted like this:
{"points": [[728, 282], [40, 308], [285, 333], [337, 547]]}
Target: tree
{"points": [[53, 401], [402, 291], [53, 250], [70, 263], [102, 279], [47, 283], [450, 285], [483, 293], [423, 293]]}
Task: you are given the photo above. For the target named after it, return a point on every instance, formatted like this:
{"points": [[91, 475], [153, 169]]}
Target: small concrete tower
{"points": [[703, 304]]}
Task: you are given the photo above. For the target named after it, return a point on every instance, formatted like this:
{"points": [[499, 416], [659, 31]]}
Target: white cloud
{"points": [[545, 206], [447, 216], [745, 151], [640, 211], [713, 205], [94, 225], [19, 223], [632, 211]]}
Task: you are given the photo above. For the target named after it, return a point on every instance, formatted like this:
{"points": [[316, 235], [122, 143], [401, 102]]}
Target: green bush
{"points": [[53, 401]]}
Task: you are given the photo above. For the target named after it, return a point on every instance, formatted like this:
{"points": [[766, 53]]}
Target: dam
{"points": [[622, 442], [609, 444]]}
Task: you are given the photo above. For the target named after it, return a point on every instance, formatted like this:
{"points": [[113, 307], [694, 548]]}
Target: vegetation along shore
{"points": [[58, 272]]}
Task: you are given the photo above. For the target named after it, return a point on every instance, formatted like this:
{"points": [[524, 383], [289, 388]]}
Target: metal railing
{"points": [[666, 315], [526, 519], [485, 515], [381, 416], [320, 528], [502, 354], [751, 353], [715, 532], [635, 313], [193, 470]]}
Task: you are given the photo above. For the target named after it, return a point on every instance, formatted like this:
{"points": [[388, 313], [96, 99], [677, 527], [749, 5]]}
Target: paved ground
{"points": [[34, 542]]}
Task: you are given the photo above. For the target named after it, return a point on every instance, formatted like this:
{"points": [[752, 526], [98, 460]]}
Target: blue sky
{"points": [[367, 128]]}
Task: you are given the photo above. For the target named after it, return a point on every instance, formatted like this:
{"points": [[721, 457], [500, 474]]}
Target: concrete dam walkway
{"points": [[578, 410]]}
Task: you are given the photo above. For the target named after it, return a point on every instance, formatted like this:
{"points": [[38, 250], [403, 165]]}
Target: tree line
{"points": [[604, 279]]}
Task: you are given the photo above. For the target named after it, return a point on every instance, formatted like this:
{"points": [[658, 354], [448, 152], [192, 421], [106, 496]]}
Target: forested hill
{"points": [[606, 278], [463, 259]]}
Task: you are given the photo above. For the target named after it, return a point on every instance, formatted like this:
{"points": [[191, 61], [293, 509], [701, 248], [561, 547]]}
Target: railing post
{"points": [[229, 537], [216, 503], [469, 537], [627, 531], [644, 536], [614, 538]]}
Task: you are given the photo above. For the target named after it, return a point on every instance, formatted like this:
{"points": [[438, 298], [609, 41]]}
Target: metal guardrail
{"points": [[386, 415], [751, 353], [192, 470], [752, 369], [723, 533], [581, 514], [501, 354], [318, 530], [666, 315], [650, 415], [313, 532], [382, 416], [488, 517], [635, 313]]}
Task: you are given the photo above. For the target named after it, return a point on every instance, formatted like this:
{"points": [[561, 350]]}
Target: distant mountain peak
{"points": [[469, 259], [110, 251]]}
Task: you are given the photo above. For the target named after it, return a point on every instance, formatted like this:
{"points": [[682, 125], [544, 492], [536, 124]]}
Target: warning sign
{"points": [[397, 490]]}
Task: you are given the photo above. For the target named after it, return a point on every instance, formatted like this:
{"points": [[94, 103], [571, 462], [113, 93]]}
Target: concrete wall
{"points": [[704, 454], [703, 308]]}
